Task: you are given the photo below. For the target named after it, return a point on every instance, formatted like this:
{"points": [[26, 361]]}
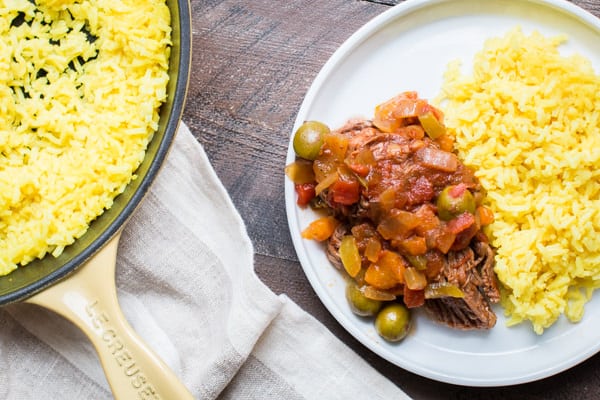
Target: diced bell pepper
{"points": [[349, 255]]}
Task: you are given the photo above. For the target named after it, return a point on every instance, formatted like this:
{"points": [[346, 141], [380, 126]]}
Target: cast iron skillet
{"points": [[80, 283]]}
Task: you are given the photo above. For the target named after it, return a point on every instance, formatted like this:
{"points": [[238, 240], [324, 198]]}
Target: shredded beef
{"points": [[471, 271]]}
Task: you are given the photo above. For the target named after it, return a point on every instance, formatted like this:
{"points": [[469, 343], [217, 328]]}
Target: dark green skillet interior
{"points": [[28, 280]]}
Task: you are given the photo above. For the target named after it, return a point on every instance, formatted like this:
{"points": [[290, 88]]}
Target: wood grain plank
{"points": [[242, 108]]}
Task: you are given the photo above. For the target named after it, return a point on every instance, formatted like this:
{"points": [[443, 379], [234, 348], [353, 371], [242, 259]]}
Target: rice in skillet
{"points": [[528, 121], [80, 88]]}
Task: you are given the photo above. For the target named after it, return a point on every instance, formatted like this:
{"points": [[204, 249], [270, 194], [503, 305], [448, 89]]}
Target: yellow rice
{"points": [[527, 119], [81, 83]]}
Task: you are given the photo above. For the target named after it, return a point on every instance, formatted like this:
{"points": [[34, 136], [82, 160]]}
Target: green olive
{"points": [[359, 303], [453, 201], [392, 322], [308, 139]]}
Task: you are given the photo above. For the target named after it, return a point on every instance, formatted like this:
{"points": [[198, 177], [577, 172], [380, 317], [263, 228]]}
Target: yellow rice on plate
{"points": [[81, 83], [527, 119]]}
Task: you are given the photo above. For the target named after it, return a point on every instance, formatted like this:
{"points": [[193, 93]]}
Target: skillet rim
{"points": [[183, 65]]}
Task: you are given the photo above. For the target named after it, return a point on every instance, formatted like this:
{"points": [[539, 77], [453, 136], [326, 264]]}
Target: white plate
{"points": [[408, 48]]}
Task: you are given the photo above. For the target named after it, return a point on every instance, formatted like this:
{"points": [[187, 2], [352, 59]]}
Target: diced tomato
{"points": [[435, 263], [305, 192], [463, 239], [413, 298], [457, 191], [345, 192], [421, 191], [461, 223], [360, 169], [413, 131]]}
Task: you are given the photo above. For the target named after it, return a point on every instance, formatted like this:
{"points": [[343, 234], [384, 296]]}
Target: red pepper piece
{"points": [[306, 192], [345, 192], [413, 298]]}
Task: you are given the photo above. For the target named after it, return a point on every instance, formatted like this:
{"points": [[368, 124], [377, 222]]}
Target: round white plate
{"points": [[408, 48]]}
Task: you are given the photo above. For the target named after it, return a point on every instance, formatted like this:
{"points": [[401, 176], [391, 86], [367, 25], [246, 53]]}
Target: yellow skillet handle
{"points": [[88, 298]]}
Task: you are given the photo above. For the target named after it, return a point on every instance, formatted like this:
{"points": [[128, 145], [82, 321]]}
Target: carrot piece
{"points": [[486, 215], [387, 272], [380, 277], [320, 229], [446, 142], [413, 245]]}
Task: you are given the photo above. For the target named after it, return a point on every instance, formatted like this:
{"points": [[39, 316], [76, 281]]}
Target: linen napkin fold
{"points": [[186, 283]]}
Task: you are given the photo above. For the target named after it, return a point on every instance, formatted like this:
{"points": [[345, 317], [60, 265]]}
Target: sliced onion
{"points": [[300, 171], [443, 289], [325, 183], [437, 159], [398, 224], [375, 294], [372, 249], [444, 240], [415, 279], [387, 199]]}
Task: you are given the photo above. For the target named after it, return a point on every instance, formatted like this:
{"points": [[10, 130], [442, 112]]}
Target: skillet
{"points": [[80, 283]]}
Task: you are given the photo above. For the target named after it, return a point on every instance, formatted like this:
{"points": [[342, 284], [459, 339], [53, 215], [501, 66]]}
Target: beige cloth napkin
{"points": [[186, 283]]}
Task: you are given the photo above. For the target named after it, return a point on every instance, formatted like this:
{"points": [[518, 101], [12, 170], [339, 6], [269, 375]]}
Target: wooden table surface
{"points": [[253, 62]]}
